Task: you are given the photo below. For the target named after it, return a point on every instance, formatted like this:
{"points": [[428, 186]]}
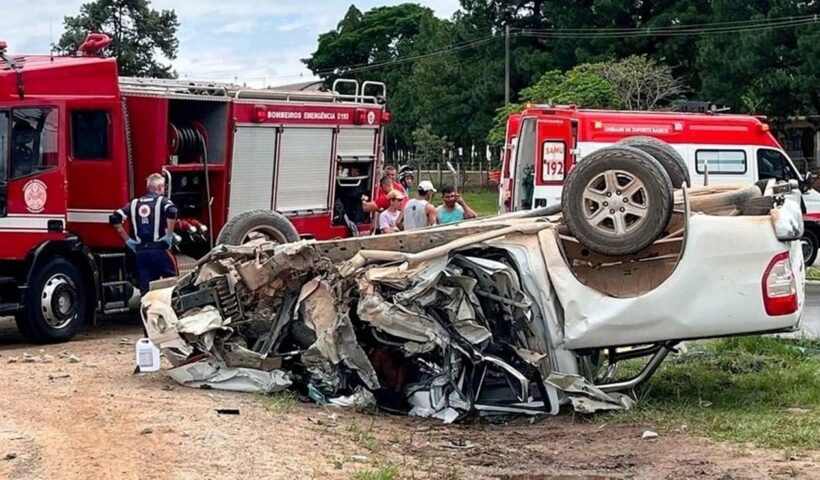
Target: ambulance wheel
{"points": [[810, 244], [54, 307], [617, 200], [256, 224], [668, 157]]}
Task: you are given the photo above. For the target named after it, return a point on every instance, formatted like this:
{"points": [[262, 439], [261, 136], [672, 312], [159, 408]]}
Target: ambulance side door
{"points": [[505, 190], [554, 159]]}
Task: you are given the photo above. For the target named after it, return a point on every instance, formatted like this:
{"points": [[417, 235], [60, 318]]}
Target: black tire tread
{"points": [[811, 234], [236, 228], [666, 155], [576, 181], [30, 322]]}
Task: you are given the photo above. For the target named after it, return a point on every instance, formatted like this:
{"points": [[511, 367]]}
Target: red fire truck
{"points": [[543, 143], [77, 141]]}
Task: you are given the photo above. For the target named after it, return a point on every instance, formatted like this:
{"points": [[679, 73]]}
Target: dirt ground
{"points": [[95, 420]]}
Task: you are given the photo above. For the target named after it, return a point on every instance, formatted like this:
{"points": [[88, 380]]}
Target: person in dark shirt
{"points": [[153, 218]]}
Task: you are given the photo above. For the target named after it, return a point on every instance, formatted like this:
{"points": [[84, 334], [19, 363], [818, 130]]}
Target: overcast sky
{"points": [[249, 40]]}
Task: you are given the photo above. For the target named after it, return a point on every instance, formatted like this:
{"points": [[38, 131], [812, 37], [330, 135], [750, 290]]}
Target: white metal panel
{"points": [[254, 149], [304, 169], [691, 303], [356, 142]]}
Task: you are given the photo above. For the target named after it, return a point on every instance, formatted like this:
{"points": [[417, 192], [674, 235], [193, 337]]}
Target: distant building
{"points": [[312, 86], [800, 137]]}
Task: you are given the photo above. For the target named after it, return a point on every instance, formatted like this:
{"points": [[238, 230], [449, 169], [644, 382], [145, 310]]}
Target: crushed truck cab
{"points": [[502, 315]]}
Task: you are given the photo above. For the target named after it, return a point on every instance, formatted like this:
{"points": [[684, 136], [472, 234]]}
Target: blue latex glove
{"points": [[168, 239], [132, 244]]}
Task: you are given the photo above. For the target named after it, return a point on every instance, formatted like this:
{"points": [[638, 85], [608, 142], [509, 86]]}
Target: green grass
{"points": [[279, 403], [363, 437], [484, 202], [813, 273], [384, 472], [761, 390]]}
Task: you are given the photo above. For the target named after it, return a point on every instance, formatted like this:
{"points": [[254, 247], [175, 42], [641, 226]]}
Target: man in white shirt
{"points": [[420, 212]]}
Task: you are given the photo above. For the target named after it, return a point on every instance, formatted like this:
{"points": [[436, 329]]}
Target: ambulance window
{"points": [[773, 164], [33, 146], [526, 149], [731, 162], [89, 135]]}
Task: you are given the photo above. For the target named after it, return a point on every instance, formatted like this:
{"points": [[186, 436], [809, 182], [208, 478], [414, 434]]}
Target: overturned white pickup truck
{"points": [[507, 314]]}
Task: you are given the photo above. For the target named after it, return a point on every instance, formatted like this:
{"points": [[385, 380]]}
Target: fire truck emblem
{"points": [[371, 117], [144, 211], [35, 196]]}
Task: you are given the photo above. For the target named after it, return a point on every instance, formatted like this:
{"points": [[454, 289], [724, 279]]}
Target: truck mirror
{"points": [[807, 182]]}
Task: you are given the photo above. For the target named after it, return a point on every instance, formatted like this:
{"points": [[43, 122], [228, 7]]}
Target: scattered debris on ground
{"points": [[649, 435]]}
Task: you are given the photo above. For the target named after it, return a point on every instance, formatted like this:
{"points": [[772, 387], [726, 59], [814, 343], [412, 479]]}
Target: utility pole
{"points": [[507, 64]]}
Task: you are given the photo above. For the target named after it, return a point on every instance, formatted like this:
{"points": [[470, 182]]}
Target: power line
{"points": [[735, 23], [661, 32], [714, 28], [371, 66]]}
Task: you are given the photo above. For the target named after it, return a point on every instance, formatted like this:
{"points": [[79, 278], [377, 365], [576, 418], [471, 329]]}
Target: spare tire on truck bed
{"points": [[617, 200], [669, 158], [247, 225]]}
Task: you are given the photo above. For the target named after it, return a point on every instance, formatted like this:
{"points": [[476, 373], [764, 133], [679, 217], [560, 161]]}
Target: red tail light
{"points": [[386, 116], [779, 288]]}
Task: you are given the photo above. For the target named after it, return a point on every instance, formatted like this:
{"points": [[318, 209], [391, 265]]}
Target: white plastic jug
{"points": [[147, 356]]}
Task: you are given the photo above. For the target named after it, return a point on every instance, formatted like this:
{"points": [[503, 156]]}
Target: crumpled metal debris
{"points": [[445, 332], [205, 374]]}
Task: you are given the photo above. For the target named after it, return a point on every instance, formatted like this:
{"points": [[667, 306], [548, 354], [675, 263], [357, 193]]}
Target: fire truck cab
{"points": [[544, 142], [77, 142]]}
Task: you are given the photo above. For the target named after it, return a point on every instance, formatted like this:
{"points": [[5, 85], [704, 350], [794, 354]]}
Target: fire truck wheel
{"points": [[719, 199], [668, 157], [617, 200], [54, 308], [810, 244], [258, 224]]}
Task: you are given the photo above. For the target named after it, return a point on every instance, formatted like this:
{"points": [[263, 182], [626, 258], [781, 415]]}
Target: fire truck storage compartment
{"points": [[303, 179], [188, 193], [188, 118], [355, 158], [252, 168]]}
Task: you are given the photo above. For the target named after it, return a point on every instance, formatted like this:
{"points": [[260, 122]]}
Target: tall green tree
{"points": [[429, 147], [763, 71], [581, 86], [139, 34], [364, 46], [458, 92]]}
